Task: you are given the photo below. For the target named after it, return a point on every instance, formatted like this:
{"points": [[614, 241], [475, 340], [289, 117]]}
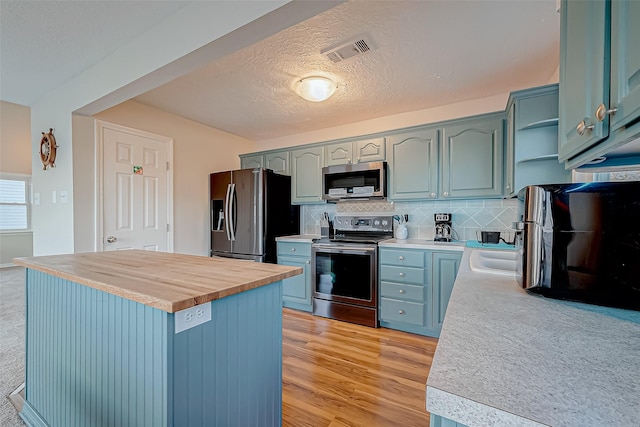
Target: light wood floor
{"points": [[339, 374]]}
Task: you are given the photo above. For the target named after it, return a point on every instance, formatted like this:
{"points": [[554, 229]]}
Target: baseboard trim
{"points": [[17, 397], [31, 417]]}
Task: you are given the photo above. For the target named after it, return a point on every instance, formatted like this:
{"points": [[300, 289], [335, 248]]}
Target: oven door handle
{"points": [[345, 250]]}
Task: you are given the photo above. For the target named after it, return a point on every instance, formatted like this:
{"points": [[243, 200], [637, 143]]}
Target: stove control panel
{"points": [[363, 223]]}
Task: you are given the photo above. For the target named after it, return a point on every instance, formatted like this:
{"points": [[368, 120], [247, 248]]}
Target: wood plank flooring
{"points": [[338, 374]]}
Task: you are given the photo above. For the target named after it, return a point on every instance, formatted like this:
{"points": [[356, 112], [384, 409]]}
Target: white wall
{"points": [[15, 138], [15, 157], [195, 35], [198, 150]]}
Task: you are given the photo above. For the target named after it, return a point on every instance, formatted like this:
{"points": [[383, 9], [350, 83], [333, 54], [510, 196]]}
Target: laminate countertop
{"points": [[167, 281], [507, 358]]}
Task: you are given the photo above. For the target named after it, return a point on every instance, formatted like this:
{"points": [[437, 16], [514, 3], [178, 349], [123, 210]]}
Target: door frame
{"points": [[99, 128]]}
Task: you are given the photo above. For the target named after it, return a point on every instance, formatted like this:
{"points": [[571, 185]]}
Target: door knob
{"points": [[112, 239]]}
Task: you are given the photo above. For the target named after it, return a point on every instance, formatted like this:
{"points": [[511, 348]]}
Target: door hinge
{"points": [[167, 165], [168, 228]]}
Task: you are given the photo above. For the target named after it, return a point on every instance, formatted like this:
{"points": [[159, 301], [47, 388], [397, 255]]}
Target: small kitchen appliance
{"points": [[581, 242], [360, 181], [443, 227]]}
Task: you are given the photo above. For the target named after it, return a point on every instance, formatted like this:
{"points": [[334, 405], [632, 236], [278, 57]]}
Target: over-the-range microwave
{"points": [[354, 181]]}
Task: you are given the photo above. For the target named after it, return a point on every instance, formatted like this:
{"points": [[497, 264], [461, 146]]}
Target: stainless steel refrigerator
{"points": [[249, 209]]}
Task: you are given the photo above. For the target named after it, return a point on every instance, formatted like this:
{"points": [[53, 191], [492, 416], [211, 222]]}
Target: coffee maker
{"points": [[443, 227]]}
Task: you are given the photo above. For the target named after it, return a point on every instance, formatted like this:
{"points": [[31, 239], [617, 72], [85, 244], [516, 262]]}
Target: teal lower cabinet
{"points": [[296, 291], [438, 421], [414, 287], [97, 359]]}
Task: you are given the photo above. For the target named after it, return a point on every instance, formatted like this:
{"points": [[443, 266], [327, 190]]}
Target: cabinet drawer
{"points": [[402, 257], [400, 291], [401, 311], [402, 274], [294, 249]]}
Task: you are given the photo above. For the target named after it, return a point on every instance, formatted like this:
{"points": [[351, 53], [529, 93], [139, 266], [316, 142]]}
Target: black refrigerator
{"points": [[249, 209]]}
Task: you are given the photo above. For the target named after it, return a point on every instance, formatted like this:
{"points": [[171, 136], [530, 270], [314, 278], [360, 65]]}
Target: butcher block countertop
{"points": [[167, 281]]}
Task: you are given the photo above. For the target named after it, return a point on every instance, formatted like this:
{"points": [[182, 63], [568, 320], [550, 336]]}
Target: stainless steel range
{"points": [[345, 269]]}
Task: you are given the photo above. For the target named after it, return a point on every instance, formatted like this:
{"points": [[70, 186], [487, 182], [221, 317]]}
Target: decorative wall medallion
{"points": [[48, 148]]}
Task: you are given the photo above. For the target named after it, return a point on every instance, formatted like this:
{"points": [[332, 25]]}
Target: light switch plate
{"points": [[64, 197], [192, 316], [36, 198]]}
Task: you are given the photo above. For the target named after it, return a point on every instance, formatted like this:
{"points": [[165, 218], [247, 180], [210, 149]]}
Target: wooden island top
{"points": [[167, 281]]}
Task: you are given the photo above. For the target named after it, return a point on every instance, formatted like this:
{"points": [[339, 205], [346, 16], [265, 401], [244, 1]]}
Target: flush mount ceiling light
{"points": [[316, 88]]}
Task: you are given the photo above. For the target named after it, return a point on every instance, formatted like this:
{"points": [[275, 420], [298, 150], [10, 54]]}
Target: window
{"points": [[15, 210]]}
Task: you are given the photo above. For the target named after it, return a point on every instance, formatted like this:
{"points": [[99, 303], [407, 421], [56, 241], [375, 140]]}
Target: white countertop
{"points": [[422, 244], [507, 358], [306, 238]]}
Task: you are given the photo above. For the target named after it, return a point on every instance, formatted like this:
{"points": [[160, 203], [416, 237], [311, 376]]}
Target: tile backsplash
{"points": [[469, 216]]}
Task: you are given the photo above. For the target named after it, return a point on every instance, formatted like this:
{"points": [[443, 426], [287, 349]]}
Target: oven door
{"points": [[345, 273]]}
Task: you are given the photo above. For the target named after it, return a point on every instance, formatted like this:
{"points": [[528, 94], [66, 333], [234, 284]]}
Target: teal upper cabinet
{"points": [[599, 79], [532, 140], [413, 164], [584, 74], [306, 175], [472, 157], [369, 150], [625, 63], [278, 161], [251, 161], [366, 150], [338, 154]]}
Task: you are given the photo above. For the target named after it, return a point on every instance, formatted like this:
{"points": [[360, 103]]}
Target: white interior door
{"points": [[136, 199]]}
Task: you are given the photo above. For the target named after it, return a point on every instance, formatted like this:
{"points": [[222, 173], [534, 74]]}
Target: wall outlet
{"points": [[191, 317]]}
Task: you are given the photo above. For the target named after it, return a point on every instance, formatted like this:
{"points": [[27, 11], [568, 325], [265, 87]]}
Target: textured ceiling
{"points": [[426, 53], [45, 43]]}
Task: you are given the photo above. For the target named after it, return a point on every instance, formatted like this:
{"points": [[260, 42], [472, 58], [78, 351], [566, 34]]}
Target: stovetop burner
{"points": [[361, 229]]}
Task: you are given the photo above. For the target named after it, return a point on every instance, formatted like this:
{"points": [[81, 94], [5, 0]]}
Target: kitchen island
{"points": [[506, 358], [149, 338]]}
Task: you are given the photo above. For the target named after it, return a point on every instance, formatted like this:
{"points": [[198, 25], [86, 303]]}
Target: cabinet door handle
{"points": [[401, 291], [401, 274], [401, 258], [400, 311], [293, 249], [445, 194], [508, 187], [434, 195], [308, 262], [582, 128], [602, 112]]}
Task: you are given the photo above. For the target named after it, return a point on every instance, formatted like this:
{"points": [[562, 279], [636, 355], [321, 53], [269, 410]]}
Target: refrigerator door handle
{"points": [[231, 216], [258, 209], [227, 204]]}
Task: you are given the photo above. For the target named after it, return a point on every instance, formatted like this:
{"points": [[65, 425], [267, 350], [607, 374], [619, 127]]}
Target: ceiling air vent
{"points": [[349, 49]]}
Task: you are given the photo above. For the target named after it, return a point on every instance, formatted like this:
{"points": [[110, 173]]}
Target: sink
{"points": [[493, 262]]}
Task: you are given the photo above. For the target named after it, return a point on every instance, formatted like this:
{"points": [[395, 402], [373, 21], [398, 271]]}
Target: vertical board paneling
{"points": [[228, 372], [94, 359]]}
